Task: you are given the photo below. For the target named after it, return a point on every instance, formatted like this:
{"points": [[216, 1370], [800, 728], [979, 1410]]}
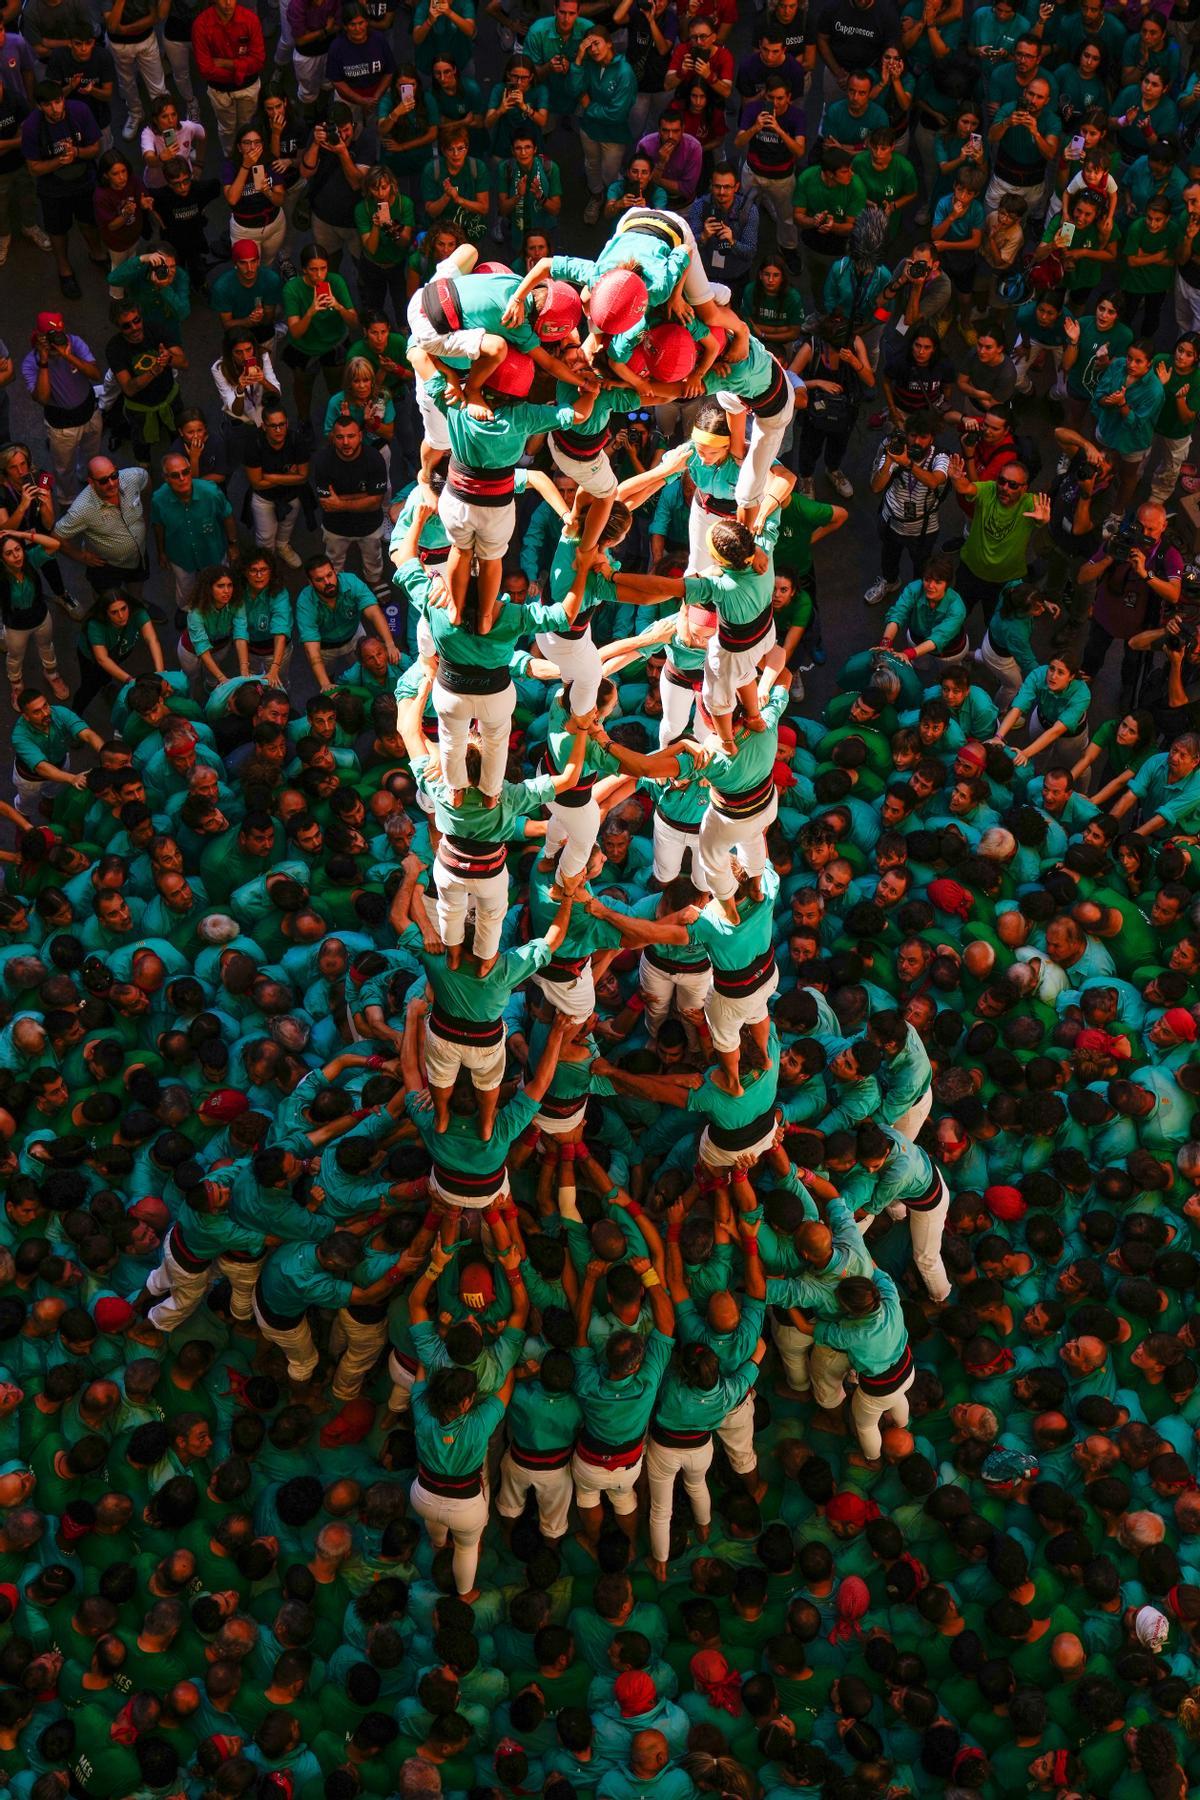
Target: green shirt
{"points": [[459, 1446], [328, 328], [754, 752], [1177, 387], [332, 624], [32, 747], [618, 1412], [998, 542], [498, 442]]}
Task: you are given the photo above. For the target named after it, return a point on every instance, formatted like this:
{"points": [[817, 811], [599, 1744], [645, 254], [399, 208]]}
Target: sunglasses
{"points": [[1001, 482]]}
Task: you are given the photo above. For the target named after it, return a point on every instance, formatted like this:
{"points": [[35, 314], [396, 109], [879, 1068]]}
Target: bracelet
{"points": [[750, 1247], [375, 1061], [673, 1233], [650, 1279], [634, 1209]]}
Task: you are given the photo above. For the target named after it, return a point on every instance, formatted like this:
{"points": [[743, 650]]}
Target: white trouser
{"points": [[1172, 453], [184, 583], [726, 1015], [268, 237], [493, 713], [1004, 668], [132, 60], [357, 1346], [444, 1058], [762, 446], [574, 999], [454, 892], [16, 642], [926, 1229], [552, 1488], [334, 655], [909, 1123], [182, 1289], [720, 837], [670, 847], [433, 423], [29, 792], [687, 990], [241, 1277], [555, 1127], [663, 1463], [601, 164], [1064, 750], [271, 531], [677, 703], [578, 662], [867, 1410], [573, 830], [714, 1157], [71, 448], [487, 530], [402, 1379], [179, 56], [232, 111], [595, 476], [310, 76], [463, 1521], [726, 672], [423, 331], [591, 1481], [794, 1348], [370, 548], [996, 190], [736, 1432], [828, 1369], [699, 521], [297, 1345]]}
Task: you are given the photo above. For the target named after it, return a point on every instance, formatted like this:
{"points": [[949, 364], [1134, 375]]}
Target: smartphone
{"points": [[1066, 233], [258, 176], [324, 292], [407, 91], [383, 212], [975, 143], [1075, 148], [170, 138]]}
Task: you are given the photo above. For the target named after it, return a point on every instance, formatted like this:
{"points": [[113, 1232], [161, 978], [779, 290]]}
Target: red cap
{"points": [[787, 737], [634, 1692], [950, 896], [112, 1314], [514, 377], [223, 1106], [1005, 1204], [246, 250], [560, 311], [618, 302], [1181, 1023], [49, 321], [477, 1278], [666, 353], [182, 745], [351, 1425]]}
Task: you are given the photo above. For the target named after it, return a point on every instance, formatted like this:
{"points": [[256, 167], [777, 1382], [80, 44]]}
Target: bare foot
{"points": [[729, 908], [472, 1596], [490, 802], [754, 722], [585, 1544], [758, 1491], [457, 796], [657, 1569]]}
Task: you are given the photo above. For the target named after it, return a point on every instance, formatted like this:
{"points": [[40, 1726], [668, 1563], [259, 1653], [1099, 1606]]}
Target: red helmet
{"points": [[492, 268], [514, 376], [666, 353], [618, 302], [560, 311]]}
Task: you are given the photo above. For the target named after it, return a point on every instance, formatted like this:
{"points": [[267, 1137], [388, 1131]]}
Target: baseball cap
{"points": [[618, 301], [560, 311], [49, 321], [223, 1106]]}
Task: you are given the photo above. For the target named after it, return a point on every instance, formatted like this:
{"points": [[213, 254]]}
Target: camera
{"points": [[917, 269], [970, 432], [1189, 587], [897, 444], [1081, 466], [59, 339], [1128, 537]]}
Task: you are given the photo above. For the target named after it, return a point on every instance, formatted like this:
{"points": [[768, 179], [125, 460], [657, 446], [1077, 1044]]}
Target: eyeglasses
{"points": [[104, 479], [1001, 482]]}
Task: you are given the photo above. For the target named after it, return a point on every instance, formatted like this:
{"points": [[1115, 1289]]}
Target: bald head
{"points": [[648, 1753], [1067, 1653], [814, 1242]]}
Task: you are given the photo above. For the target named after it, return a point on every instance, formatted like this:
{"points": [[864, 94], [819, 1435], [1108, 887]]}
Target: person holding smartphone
{"points": [[255, 195]]}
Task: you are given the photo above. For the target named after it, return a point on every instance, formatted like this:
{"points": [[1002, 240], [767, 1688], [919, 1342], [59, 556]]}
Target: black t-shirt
{"points": [[366, 474], [859, 35], [291, 454], [649, 64], [182, 215], [330, 195], [13, 114], [99, 67], [135, 359]]}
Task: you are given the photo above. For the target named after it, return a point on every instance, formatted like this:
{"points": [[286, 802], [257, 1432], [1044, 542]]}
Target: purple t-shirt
{"points": [[766, 153], [43, 138], [68, 388], [684, 164], [359, 66]]}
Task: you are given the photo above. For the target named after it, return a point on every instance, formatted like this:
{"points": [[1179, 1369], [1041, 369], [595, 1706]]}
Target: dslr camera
{"points": [[1127, 537]]}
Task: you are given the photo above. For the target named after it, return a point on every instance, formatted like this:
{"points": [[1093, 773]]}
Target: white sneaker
{"points": [[131, 127], [5, 243], [878, 592], [287, 555], [1064, 463], [36, 235], [804, 486], [797, 687], [841, 484]]}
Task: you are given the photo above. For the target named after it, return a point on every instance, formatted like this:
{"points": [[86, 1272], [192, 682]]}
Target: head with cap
{"points": [[618, 302]]}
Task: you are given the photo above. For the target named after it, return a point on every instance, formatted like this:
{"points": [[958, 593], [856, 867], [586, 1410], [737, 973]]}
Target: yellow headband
{"points": [[723, 562], [717, 439]]}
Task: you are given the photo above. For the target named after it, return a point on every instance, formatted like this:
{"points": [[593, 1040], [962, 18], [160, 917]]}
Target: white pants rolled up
{"points": [[663, 1463]]}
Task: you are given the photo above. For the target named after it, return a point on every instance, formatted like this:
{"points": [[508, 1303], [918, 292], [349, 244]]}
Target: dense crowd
{"points": [[576, 1223]]}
